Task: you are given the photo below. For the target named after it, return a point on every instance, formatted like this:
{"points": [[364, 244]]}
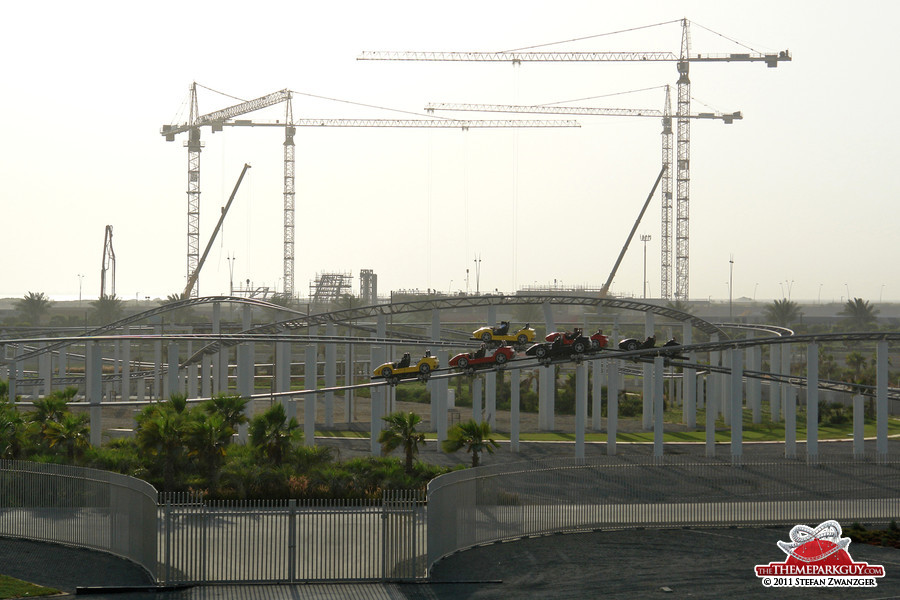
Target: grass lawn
{"points": [[14, 588], [767, 431]]}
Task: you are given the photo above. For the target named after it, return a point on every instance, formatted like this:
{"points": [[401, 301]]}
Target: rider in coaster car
{"points": [[480, 352], [502, 329], [404, 362]]}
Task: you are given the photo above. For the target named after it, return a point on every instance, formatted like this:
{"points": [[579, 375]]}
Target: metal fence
{"points": [[80, 507], [288, 541], [473, 507]]}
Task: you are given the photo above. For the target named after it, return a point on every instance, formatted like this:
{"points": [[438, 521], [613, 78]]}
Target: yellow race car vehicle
{"points": [[501, 333], [403, 369]]}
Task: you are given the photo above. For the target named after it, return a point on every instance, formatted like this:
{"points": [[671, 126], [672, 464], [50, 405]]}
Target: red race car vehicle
{"points": [[598, 340], [481, 358]]}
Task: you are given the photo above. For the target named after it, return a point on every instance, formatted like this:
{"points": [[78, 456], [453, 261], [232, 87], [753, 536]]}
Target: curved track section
{"points": [[165, 308], [352, 314]]}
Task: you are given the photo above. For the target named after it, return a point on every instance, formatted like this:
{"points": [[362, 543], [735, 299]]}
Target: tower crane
{"points": [[219, 119], [665, 114], [108, 264], [682, 61]]}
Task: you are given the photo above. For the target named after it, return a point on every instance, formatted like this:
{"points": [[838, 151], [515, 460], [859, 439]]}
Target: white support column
{"points": [[659, 370], [206, 374], [787, 388], [647, 381], [490, 398], [725, 388], [612, 406], [789, 406], [283, 377], [157, 363], [330, 375], [514, 402], [45, 367], [492, 315], [736, 360], [349, 379], [712, 401], [881, 399], [310, 382], [125, 387], [754, 385], [775, 387], [439, 400], [378, 394], [859, 424], [547, 398], [548, 317], [476, 399], [812, 403], [442, 359], [597, 376], [93, 378], [172, 382], [219, 382], [790, 422], [63, 361], [689, 383], [581, 393], [192, 371]]}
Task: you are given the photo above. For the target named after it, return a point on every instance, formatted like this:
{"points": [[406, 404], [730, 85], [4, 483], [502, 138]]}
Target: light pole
{"points": [[731, 287], [230, 259], [756, 285], [645, 238], [478, 274], [80, 279], [848, 292], [819, 298]]}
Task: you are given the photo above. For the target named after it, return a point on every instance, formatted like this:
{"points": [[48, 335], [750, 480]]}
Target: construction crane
{"points": [[665, 114], [108, 265], [226, 118], [194, 146], [192, 279], [682, 60]]}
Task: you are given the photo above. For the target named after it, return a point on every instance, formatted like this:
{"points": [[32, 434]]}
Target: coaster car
{"points": [[481, 358], [402, 369], [502, 333], [560, 346], [598, 340], [629, 344]]}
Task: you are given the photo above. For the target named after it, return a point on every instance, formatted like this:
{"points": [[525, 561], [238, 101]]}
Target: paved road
{"points": [[696, 563]]}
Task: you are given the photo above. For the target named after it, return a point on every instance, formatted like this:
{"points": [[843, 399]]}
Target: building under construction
{"points": [[328, 287]]}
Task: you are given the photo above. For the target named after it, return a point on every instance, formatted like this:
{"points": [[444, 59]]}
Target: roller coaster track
{"points": [[397, 308]]}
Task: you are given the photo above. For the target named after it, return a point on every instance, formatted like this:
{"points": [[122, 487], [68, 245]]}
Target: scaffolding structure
{"points": [[328, 287], [368, 287]]}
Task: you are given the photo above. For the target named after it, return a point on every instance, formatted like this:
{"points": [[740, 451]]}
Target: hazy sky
{"points": [[802, 193]]}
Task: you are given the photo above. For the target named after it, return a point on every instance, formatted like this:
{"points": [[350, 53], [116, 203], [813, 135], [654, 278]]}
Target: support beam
{"points": [[736, 358], [310, 382], [812, 403]]}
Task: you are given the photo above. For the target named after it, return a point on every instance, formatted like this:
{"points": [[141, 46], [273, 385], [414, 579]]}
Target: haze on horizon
{"points": [[800, 192]]}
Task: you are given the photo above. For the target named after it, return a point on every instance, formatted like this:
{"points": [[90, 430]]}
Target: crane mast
{"points": [[219, 119], [683, 170], [682, 60], [665, 114]]}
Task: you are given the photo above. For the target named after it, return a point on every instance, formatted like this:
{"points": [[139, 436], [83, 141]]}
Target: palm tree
{"points": [[230, 408], [207, 436], [273, 434], [160, 432], [107, 309], [401, 431], [857, 362], [71, 433], [473, 436], [782, 312], [12, 431], [33, 307], [860, 314]]}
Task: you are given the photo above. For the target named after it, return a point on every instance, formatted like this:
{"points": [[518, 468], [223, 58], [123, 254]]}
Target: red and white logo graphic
{"points": [[818, 558]]}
